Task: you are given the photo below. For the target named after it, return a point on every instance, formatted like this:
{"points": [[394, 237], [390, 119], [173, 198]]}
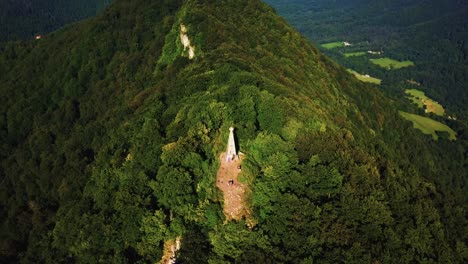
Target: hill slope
{"points": [[111, 133], [430, 33]]}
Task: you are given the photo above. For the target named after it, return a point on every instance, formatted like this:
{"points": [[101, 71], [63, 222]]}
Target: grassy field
{"points": [[419, 98], [332, 45], [365, 78], [390, 64], [428, 126], [354, 54]]}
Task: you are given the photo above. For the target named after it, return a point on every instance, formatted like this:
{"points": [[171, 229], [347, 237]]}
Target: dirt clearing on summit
{"points": [[233, 190]]}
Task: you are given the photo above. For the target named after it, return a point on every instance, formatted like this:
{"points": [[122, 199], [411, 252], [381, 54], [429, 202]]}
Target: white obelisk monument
{"points": [[231, 153]]}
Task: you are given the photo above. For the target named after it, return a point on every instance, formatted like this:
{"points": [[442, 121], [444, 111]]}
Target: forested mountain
{"points": [[431, 33], [111, 132], [24, 19]]}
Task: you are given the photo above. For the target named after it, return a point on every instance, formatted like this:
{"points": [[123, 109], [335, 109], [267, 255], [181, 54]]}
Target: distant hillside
{"points": [[432, 33], [23, 19], [112, 129]]}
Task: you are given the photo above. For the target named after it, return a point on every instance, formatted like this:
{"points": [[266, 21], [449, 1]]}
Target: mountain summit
{"points": [[112, 131]]}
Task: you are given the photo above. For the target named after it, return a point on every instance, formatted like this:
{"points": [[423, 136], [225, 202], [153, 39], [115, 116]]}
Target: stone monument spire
{"points": [[231, 153]]}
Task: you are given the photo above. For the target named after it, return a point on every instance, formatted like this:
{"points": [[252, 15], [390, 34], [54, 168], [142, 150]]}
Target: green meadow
{"points": [[332, 45], [428, 126], [365, 78], [391, 64], [419, 98], [354, 54]]}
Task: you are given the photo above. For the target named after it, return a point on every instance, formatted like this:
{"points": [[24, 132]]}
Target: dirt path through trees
{"points": [[233, 189]]}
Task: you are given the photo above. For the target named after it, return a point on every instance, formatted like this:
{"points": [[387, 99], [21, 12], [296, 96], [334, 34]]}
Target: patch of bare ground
{"points": [[170, 249], [234, 191]]}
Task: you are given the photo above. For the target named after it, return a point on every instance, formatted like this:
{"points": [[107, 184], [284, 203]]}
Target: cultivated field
{"points": [[419, 98], [428, 126], [391, 64]]}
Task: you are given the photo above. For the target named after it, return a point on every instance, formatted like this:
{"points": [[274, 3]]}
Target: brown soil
{"points": [[429, 106], [169, 252], [233, 193]]}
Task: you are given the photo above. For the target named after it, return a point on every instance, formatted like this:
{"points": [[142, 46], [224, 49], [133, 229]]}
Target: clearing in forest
{"points": [[332, 45], [391, 64], [365, 78], [234, 191], [354, 54], [419, 98], [429, 126]]}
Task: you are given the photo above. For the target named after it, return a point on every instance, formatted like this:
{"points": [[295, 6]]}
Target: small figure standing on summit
{"points": [[231, 153]]}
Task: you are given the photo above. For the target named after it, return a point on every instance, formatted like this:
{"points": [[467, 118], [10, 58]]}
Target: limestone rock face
{"points": [[186, 41]]}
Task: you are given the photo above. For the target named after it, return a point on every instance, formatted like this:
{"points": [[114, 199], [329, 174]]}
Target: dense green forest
{"points": [[431, 33], [110, 138], [25, 19]]}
